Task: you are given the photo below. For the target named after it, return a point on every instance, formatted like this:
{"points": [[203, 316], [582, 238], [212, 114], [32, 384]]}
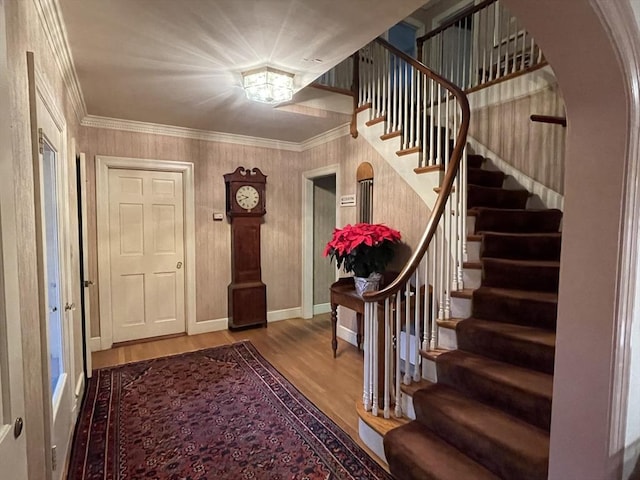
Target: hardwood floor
{"points": [[299, 349]]}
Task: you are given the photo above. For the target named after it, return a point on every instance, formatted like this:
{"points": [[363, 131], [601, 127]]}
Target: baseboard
{"points": [[94, 344], [321, 308], [286, 314], [346, 334], [207, 326]]}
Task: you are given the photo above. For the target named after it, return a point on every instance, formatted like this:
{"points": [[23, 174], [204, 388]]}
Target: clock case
{"points": [[246, 294]]}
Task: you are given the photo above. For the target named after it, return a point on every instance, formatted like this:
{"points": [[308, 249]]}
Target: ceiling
{"points": [[178, 63]]}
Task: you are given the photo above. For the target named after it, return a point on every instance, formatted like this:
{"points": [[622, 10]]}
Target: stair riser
{"points": [[485, 178], [472, 277], [521, 248], [473, 251], [520, 277], [447, 339], [498, 458], [520, 312], [530, 408], [518, 221], [460, 307], [496, 198], [488, 344]]}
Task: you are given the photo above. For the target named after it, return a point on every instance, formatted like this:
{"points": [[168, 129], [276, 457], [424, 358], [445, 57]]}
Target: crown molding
{"points": [[333, 134], [56, 33], [95, 121]]}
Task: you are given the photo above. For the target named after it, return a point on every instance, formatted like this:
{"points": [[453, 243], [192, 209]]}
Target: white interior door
{"points": [[57, 280], [146, 225], [13, 449]]}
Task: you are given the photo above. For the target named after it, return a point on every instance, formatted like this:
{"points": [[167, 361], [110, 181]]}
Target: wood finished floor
{"points": [[299, 349]]}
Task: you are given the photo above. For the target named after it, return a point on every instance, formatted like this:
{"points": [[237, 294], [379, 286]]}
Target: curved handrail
{"points": [[447, 185]]}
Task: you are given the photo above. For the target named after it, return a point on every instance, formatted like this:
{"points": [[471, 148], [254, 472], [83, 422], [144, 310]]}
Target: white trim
{"points": [[549, 198], [307, 230], [286, 314], [103, 164], [207, 326], [621, 23], [95, 121], [53, 25], [346, 334], [326, 137], [95, 344], [79, 389], [321, 308], [371, 438]]}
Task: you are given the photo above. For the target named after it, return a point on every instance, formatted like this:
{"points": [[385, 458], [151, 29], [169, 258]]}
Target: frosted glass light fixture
{"points": [[268, 85]]}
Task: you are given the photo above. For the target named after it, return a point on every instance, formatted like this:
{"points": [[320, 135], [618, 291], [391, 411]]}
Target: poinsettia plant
{"points": [[363, 248]]}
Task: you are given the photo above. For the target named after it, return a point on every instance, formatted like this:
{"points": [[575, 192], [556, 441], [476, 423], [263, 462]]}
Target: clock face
{"points": [[247, 197]]}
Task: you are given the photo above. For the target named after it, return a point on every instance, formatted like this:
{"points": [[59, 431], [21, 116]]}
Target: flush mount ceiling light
{"points": [[268, 85]]}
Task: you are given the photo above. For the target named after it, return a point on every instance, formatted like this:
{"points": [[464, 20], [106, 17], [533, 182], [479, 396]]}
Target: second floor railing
{"points": [[481, 45]]}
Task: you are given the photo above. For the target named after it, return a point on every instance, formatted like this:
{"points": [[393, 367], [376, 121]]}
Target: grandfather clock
{"points": [[247, 295]]}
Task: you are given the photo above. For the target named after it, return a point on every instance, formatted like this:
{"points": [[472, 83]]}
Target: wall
{"points": [[536, 149], [25, 33], [324, 221]]}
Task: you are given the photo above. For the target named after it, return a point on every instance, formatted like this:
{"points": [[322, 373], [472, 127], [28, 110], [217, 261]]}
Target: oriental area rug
{"points": [[221, 413]]}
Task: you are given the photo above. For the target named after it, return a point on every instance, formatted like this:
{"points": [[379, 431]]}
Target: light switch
{"points": [[218, 216]]}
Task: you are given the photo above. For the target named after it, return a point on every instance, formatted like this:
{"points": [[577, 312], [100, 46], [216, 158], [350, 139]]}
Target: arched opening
{"points": [[591, 46]]}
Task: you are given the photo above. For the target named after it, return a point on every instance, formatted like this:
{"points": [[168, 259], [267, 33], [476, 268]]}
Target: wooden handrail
{"points": [[549, 119], [447, 184], [460, 16]]}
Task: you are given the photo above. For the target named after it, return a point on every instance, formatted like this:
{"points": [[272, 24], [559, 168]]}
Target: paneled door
{"points": [[146, 225]]}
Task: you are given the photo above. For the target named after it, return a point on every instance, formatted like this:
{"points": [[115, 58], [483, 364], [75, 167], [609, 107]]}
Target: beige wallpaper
{"points": [[536, 149], [394, 204], [324, 221]]}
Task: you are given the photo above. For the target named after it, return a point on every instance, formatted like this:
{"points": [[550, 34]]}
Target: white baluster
{"points": [[366, 394], [425, 309], [432, 150], [435, 298], [412, 107], [407, 334], [375, 359], [416, 328], [388, 343], [398, 409]]}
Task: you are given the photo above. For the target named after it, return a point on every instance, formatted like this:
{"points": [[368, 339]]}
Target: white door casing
{"points": [[12, 450], [146, 230], [104, 166], [85, 261], [307, 230], [55, 267]]}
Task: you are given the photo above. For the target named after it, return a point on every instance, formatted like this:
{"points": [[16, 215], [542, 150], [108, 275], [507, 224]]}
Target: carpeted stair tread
{"points": [[520, 345], [474, 160], [538, 275], [487, 178], [522, 307], [540, 246], [517, 391], [415, 453], [503, 444], [516, 220], [479, 196]]}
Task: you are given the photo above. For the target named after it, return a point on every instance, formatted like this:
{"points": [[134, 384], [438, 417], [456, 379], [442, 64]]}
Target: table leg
{"points": [[334, 322]]}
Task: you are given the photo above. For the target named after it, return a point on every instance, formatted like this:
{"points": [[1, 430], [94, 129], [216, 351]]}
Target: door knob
{"points": [[88, 283], [17, 427], [53, 309], [68, 306]]}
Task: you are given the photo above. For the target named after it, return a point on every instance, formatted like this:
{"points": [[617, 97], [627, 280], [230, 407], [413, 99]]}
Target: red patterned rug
{"points": [[221, 413]]}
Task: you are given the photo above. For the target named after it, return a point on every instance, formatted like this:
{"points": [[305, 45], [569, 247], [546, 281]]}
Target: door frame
{"points": [[307, 230], [103, 164]]}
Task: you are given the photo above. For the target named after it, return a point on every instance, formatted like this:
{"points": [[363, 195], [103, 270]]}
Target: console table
{"points": [[343, 292]]}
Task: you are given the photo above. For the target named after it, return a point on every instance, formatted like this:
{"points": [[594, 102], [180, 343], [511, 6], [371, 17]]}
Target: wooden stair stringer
{"points": [[405, 164]]}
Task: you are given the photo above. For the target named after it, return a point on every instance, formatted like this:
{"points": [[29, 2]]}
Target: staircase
{"points": [[488, 415]]}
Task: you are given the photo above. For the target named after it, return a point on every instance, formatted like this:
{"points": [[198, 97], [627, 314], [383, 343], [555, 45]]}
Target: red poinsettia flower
{"points": [[363, 248]]}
